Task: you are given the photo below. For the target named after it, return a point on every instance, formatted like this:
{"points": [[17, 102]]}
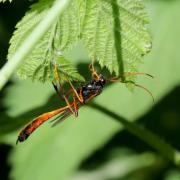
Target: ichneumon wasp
{"points": [[80, 96]]}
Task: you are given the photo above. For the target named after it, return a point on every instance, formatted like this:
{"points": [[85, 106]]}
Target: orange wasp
{"points": [[81, 95]]}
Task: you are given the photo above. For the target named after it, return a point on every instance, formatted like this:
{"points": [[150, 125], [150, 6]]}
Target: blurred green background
{"points": [[94, 146]]}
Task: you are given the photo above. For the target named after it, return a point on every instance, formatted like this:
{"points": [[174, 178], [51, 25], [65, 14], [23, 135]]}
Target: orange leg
{"points": [[93, 72], [79, 96], [91, 97], [75, 105], [60, 91]]}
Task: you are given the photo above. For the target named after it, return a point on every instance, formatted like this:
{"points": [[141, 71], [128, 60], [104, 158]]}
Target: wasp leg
{"points": [[60, 90]]}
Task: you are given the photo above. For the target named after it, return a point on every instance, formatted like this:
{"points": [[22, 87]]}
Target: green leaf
{"points": [[55, 153], [105, 22], [117, 43], [39, 65], [65, 69]]}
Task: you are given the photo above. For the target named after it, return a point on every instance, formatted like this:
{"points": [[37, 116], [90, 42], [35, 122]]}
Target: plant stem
{"points": [[144, 134], [29, 43]]}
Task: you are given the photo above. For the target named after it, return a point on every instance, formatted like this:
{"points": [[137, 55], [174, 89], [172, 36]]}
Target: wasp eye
{"points": [[103, 80]]}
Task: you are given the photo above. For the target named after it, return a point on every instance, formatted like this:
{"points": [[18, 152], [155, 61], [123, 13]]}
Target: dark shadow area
{"points": [[10, 14], [84, 70], [164, 119], [4, 166]]}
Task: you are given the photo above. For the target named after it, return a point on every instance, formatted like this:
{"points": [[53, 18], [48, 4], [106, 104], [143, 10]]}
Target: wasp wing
{"points": [[61, 117]]}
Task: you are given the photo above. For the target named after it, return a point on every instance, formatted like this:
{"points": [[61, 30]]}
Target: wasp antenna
{"points": [[115, 79], [93, 71], [119, 78], [137, 85], [151, 76], [149, 92], [137, 73]]}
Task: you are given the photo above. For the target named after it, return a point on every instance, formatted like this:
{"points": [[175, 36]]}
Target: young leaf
{"points": [[113, 32], [105, 22], [39, 65]]}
